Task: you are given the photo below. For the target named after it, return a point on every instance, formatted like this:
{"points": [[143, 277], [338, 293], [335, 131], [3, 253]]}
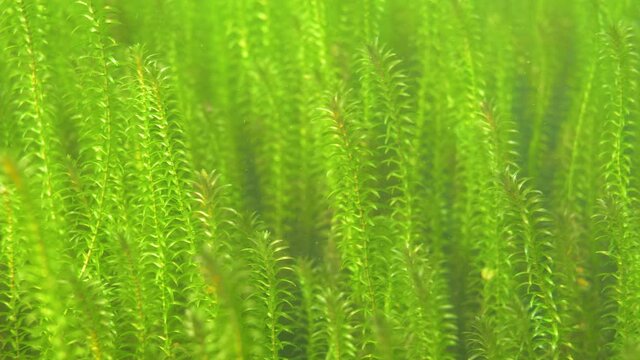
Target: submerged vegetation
{"points": [[319, 179]]}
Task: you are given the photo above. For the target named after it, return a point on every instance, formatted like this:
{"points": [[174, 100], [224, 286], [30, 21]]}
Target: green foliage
{"points": [[319, 179]]}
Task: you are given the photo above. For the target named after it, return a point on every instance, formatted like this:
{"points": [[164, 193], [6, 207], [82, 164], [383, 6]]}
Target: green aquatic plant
{"points": [[319, 179]]}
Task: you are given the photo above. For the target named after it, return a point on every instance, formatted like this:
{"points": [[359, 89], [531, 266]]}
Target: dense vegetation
{"points": [[319, 179]]}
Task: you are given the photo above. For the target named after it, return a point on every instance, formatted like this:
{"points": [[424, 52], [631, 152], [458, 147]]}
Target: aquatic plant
{"points": [[319, 179]]}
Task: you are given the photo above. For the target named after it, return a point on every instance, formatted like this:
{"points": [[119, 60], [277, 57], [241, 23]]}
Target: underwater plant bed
{"points": [[319, 179]]}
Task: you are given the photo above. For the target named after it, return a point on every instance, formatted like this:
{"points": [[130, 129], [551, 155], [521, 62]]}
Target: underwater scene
{"points": [[320, 179]]}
